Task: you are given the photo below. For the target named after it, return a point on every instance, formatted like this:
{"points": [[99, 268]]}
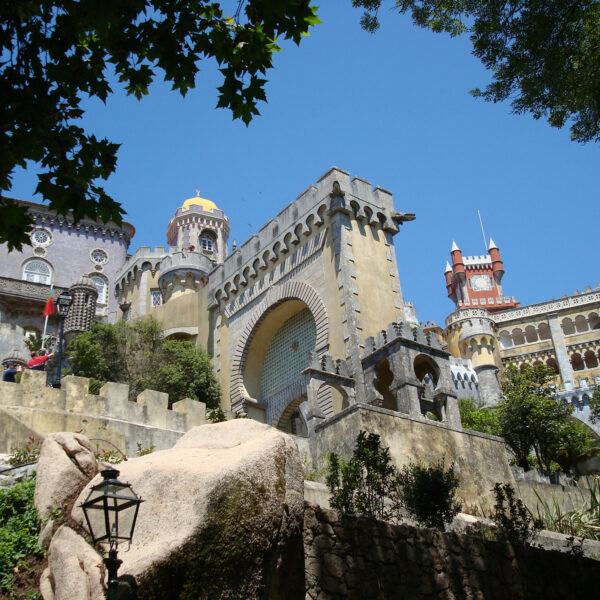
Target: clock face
{"points": [[480, 283]]}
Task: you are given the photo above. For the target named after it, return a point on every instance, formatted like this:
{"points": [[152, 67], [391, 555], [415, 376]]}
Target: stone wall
{"points": [[350, 557], [480, 459], [33, 409]]}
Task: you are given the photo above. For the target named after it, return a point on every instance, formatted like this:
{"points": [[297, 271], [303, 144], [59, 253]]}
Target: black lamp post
{"points": [[111, 510], [63, 303]]}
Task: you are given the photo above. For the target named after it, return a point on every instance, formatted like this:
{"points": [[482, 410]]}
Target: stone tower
{"points": [[200, 226], [474, 284]]}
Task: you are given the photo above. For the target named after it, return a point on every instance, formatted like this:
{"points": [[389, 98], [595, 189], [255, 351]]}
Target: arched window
{"points": [[531, 334], [551, 362], [38, 271], [591, 362], [518, 337], [207, 241], [567, 326], [505, 339], [102, 287], [544, 331], [581, 323], [594, 320], [577, 362]]}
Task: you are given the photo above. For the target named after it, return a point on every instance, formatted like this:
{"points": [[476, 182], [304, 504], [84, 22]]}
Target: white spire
{"points": [[448, 268], [492, 245], [454, 246]]}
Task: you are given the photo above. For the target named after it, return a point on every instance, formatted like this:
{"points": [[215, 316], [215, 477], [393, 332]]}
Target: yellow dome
{"points": [[203, 203]]}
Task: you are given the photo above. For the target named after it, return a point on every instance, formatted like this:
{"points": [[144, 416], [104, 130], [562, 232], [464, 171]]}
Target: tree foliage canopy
{"points": [[530, 417], [544, 54], [54, 53], [137, 354], [474, 417]]}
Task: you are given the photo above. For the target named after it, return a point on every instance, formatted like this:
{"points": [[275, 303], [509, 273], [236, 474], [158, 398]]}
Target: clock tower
{"points": [[475, 281]]}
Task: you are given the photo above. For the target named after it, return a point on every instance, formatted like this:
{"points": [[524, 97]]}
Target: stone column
{"points": [[407, 399], [560, 350], [142, 292], [452, 415], [310, 410]]}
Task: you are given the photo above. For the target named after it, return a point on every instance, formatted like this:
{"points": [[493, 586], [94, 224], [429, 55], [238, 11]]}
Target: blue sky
{"points": [[393, 108]]}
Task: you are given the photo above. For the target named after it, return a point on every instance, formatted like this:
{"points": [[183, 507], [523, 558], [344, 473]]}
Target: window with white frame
{"points": [[37, 271], [207, 241], [98, 256], [102, 287], [41, 237], [156, 296]]}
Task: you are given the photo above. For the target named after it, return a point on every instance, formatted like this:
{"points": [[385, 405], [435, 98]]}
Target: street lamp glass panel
{"points": [[64, 302], [111, 510]]}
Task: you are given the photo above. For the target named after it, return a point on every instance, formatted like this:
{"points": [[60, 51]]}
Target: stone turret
{"points": [[83, 308]]}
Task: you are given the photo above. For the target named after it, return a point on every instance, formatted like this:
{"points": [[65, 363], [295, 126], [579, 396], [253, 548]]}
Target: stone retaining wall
{"points": [[32, 409], [351, 557]]}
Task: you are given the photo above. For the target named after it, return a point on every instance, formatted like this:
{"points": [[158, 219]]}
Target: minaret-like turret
{"points": [[458, 265], [497, 266], [449, 288], [83, 308]]}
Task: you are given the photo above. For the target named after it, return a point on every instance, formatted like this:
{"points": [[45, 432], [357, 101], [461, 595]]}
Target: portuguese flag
{"points": [[49, 308]]}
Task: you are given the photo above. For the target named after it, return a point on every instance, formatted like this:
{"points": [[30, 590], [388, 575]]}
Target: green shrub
{"points": [[583, 523], [143, 450], [29, 452], [429, 493], [360, 485], [19, 530], [369, 484], [217, 415], [514, 522], [476, 418], [138, 355]]}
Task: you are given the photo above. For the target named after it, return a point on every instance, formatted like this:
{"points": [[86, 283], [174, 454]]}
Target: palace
{"points": [[490, 330], [307, 316]]}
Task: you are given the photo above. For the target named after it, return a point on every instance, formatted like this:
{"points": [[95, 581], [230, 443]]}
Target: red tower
{"points": [[475, 281]]}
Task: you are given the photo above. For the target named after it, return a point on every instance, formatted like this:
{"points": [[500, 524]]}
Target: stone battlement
{"points": [[298, 220], [402, 331], [109, 416]]}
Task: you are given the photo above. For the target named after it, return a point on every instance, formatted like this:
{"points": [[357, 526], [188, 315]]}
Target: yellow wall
{"points": [[373, 280]]}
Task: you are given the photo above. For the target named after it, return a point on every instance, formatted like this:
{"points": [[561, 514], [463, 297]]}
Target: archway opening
{"points": [[334, 396], [427, 371], [279, 349], [383, 383]]}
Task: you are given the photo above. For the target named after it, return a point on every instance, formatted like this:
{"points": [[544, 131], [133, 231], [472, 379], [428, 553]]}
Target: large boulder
{"points": [[75, 570], [65, 466], [221, 518]]}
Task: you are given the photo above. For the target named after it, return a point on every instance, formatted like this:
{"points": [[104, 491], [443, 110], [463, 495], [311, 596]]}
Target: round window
{"points": [[41, 237], [99, 256]]}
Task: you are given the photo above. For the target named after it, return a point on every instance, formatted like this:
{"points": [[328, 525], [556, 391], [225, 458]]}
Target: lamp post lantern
{"points": [[63, 303], [111, 510]]}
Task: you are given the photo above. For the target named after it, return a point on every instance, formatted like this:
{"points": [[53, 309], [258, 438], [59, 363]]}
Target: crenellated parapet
{"points": [[407, 370], [404, 332], [326, 364], [109, 416], [145, 258], [334, 192], [181, 265]]}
